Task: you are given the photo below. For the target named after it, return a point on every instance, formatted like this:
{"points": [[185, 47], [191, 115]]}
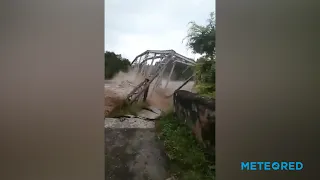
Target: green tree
{"points": [[114, 63], [202, 40]]}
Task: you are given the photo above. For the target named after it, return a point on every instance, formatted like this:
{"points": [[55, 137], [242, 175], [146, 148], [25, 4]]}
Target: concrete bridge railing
{"points": [[198, 113]]}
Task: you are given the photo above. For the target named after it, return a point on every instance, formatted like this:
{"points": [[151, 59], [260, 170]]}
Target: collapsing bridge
{"points": [[152, 64]]}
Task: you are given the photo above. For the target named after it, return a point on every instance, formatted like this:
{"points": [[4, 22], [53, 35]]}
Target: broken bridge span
{"points": [[146, 77]]}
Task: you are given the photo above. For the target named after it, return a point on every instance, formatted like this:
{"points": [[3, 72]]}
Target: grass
{"points": [[187, 159], [206, 89]]}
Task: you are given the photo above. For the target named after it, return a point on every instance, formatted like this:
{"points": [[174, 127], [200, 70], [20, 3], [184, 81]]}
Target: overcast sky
{"points": [[134, 26]]}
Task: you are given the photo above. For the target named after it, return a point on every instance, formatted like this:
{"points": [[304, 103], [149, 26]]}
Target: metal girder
{"points": [[180, 58], [143, 86], [154, 57]]}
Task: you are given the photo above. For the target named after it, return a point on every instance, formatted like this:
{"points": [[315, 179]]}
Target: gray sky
{"points": [[134, 26]]}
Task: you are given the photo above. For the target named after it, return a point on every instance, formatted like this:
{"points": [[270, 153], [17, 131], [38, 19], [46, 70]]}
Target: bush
{"points": [[205, 76], [188, 160]]}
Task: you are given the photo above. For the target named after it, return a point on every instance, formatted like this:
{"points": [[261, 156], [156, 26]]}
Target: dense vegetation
{"points": [[202, 40], [113, 63], [188, 160]]}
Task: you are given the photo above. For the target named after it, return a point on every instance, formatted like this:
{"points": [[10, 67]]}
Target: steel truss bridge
{"points": [[144, 64]]}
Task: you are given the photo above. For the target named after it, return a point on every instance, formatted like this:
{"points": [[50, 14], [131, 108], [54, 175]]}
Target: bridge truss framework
{"points": [[145, 65]]}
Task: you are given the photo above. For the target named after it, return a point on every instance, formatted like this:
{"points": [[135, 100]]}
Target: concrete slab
{"points": [[155, 110], [132, 151], [134, 154], [148, 114], [128, 123]]}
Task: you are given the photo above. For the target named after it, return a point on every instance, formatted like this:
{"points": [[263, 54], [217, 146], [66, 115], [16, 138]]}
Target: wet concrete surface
{"points": [[132, 151], [133, 154]]}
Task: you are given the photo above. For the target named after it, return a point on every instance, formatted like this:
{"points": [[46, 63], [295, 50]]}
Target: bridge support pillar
{"points": [[169, 78], [150, 69]]}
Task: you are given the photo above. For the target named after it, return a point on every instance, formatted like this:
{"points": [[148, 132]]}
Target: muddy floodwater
{"points": [[122, 84]]}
